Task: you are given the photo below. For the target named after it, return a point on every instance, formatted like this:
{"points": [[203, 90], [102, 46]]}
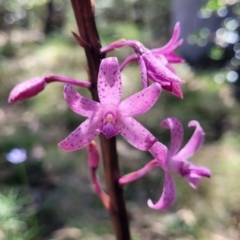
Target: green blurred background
{"points": [[49, 196]]}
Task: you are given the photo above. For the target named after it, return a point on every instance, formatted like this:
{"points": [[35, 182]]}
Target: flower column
{"points": [[89, 39]]}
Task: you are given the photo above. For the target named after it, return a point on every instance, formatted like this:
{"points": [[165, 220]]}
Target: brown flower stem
{"points": [[84, 14]]}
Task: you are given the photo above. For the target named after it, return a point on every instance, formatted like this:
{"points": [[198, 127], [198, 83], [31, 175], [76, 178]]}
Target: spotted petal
{"points": [[134, 133], [193, 144], [160, 153], [82, 135], [176, 130], [143, 71], [169, 86], [140, 102], [27, 89], [79, 104], [168, 194], [159, 72], [109, 81]]}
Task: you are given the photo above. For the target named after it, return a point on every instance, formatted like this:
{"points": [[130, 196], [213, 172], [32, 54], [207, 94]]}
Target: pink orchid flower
{"points": [[164, 54], [173, 161], [176, 161], [110, 116], [154, 64]]}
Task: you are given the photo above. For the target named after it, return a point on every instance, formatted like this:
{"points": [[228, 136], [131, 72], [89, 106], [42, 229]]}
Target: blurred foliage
{"points": [[13, 220], [151, 17], [214, 5]]}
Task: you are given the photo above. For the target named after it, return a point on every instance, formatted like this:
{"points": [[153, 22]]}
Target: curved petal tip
{"points": [[168, 194]]}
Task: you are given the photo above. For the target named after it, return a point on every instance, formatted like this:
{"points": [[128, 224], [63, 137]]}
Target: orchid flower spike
{"points": [[34, 86], [154, 64], [110, 116], [176, 161]]}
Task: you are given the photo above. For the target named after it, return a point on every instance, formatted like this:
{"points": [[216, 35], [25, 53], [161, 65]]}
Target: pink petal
{"points": [[160, 152], [176, 32], [176, 90], [134, 133], [170, 67], [161, 58], [140, 102], [82, 135], [193, 144], [173, 88], [178, 43], [165, 62], [173, 58], [169, 86], [109, 81], [176, 166], [193, 173], [133, 176], [193, 182], [171, 45], [128, 60], [79, 104], [168, 194], [159, 71], [143, 72], [177, 132], [27, 89]]}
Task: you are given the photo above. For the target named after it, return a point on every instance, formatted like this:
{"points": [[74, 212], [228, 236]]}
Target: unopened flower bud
{"points": [[93, 155], [27, 89], [33, 86]]}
